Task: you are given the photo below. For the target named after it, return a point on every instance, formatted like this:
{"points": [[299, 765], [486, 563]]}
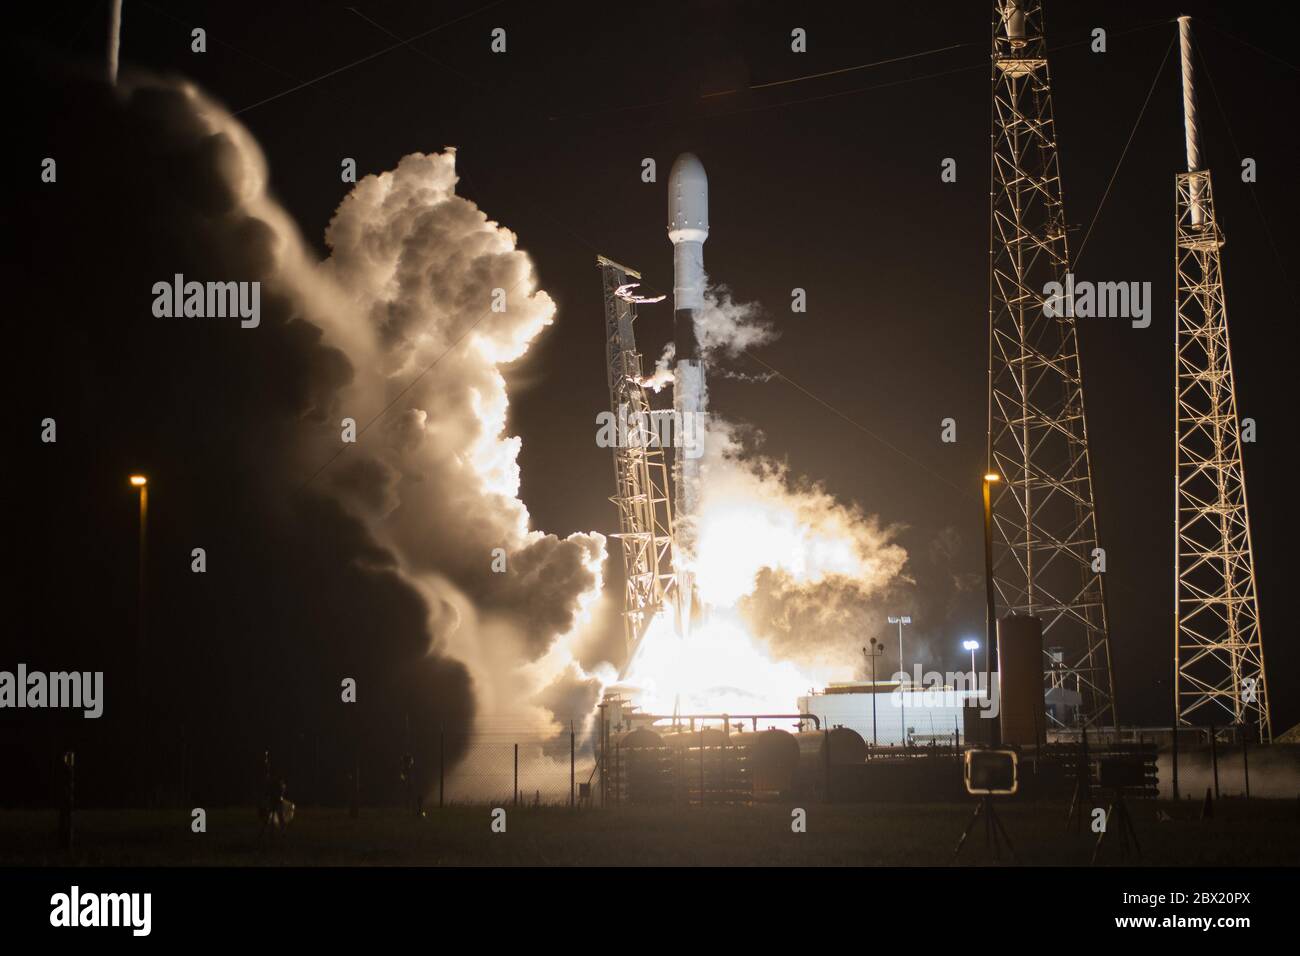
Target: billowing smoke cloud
{"points": [[726, 328], [663, 372], [805, 570], [407, 563], [438, 286]]}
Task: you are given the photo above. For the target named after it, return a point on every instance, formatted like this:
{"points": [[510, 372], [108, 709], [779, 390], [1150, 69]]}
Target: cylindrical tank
{"points": [[773, 759], [1020, 679], [643, 738], [640, 767], [709, 766], [691, 739], [846, 746], [831, 762]]}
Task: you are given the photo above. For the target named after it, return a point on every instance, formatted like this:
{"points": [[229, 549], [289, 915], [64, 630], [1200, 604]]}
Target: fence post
{"points": [[354, 800], [1214, 757], [1173, 736], [826, 746], [602, 759], [701, 763], [1245, 754], [516, 798], [67, 794], [573, 765]]}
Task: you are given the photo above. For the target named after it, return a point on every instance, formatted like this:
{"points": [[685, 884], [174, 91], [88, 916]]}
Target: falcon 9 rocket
{"points": [[688, 228]]}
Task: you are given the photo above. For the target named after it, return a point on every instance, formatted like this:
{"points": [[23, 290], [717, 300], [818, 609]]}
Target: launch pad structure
{"points": [[645, 514]]}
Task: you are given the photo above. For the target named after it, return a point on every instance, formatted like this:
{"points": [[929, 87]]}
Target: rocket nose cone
{"points": [[687, 167], [688, 200]]}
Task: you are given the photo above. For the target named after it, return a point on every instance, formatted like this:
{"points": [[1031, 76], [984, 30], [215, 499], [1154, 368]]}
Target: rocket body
{"points": [[688, 228]]}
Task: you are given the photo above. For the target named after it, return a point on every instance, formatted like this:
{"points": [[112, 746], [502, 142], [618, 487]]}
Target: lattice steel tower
{"points": [[640, 472], [1044, 520], [1218, 656]]}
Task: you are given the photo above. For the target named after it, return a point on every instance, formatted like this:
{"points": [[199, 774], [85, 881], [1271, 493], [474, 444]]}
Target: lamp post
{"points": [[902, 701], [877, 648], [972, 646], [990, 635], [145, 736], [141, 483]]}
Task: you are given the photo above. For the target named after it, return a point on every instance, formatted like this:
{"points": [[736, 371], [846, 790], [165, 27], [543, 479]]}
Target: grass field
{"points": [[1260, 832]]}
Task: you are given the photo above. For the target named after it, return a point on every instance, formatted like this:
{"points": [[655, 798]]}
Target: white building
{"points": [[933, 713]]}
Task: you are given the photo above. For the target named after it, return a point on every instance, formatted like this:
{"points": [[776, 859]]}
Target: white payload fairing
{"points": [[688, 228]]}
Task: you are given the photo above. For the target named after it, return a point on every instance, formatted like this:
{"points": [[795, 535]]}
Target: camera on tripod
{"points": [[989, 772]]}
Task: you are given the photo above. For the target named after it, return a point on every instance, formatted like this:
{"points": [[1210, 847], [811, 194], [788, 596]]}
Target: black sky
{"points": [[827, 184]]}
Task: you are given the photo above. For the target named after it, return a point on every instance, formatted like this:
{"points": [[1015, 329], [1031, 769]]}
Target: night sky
{"points": [[829, 184]]}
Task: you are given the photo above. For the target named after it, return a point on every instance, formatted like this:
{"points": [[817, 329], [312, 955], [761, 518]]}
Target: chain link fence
{"points": [[511, 770]]}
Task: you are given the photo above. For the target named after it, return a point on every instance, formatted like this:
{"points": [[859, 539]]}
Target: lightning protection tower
{"points": [[1047, 561], [1218, 656]]}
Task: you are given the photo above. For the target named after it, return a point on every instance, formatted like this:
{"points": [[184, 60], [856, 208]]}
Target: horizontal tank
{"points": [[640, 768], [846, 746], [639, 739], [773, 760], [687, 739]]}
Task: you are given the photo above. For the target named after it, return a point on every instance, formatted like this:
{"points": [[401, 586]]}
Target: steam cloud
{"points": [[437, 479], [726, 327], [381, 567], [805, 570]]}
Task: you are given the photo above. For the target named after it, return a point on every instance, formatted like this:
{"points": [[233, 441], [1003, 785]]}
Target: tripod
{"points": [[992, 829], [1117, 814]]}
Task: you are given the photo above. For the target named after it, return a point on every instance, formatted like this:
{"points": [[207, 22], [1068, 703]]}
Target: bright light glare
{"points": [[717, 669], [971, 645], [139, 480]]}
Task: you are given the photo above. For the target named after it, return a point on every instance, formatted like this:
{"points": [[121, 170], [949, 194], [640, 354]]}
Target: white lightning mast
{"points": [[1218, 655], [1044, 520]]}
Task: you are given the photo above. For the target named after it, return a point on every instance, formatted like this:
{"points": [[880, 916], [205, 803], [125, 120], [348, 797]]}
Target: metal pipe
{"points": [[652, 718]]}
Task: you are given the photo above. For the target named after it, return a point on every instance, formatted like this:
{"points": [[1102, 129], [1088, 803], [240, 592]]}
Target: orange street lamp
{"points": [[142, 483], [991, 634]]}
